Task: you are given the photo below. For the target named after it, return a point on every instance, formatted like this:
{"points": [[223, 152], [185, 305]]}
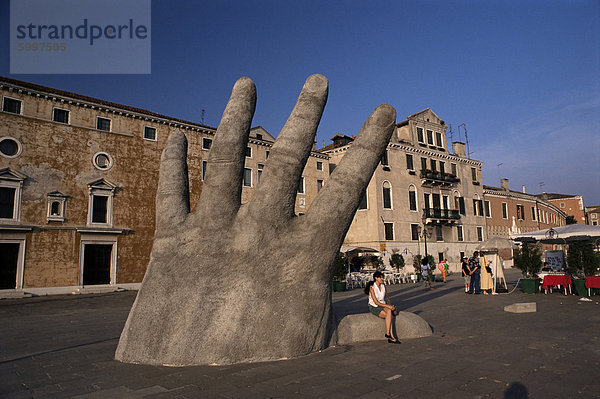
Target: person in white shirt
{"points": [[380, 305], [425, 270]]}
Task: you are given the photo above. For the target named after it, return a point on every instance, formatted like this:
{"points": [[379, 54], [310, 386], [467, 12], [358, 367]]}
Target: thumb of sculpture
{"points": [[232, 283]]}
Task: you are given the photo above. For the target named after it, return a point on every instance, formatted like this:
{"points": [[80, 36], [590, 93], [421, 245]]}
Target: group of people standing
{"points": [[478, 275]]}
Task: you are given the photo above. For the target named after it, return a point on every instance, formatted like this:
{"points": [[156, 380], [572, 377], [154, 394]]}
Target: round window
{"points": [[103, 161], [10, 147]]}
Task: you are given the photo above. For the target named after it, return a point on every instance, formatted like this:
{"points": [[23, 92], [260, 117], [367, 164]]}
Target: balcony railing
{"points": [[448, 214], [440, 177]]}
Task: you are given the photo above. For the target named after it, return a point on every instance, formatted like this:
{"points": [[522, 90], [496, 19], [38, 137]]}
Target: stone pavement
{"points": [[63, 346]]}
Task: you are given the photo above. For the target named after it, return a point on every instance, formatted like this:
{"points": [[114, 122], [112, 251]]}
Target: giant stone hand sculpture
{"points": [[233, 283]]}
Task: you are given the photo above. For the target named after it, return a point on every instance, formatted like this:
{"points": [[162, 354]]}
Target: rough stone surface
{"points": [[527, 307], [367, 327], [232, 283]]}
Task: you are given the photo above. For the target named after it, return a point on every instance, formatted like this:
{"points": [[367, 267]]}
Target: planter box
{"points": [[530, 285]]}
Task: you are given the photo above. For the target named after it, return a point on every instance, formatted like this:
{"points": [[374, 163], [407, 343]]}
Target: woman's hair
{"points": [[370, 283], [424, 261]]}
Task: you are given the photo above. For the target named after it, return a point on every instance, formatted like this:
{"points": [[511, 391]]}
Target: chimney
{"points": [[459, 149], [504, 184], [523, 187]]}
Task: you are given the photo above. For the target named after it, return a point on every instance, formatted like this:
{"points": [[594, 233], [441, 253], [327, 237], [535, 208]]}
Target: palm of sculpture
{"points": [[233, 283]]}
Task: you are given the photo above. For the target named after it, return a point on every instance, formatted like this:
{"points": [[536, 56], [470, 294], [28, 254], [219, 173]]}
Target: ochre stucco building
{"points": [[78, 179]]}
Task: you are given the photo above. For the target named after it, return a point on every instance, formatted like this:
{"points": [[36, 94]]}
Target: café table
{"points": [[592, 282], [556, 279]]}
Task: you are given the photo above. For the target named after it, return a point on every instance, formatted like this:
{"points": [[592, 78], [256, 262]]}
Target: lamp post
{"points": [[425, 232]]}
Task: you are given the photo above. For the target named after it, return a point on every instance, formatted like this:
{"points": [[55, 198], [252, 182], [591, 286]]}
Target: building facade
{"points": [[78, 180], [592, 215], [572, 205], [511, 212], [421, 195]]}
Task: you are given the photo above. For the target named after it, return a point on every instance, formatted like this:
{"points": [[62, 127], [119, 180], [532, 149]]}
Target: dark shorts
{"points": [[376, 310]]}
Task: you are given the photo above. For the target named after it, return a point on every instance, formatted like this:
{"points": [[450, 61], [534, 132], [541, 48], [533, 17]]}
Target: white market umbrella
{"points": [[560, 235]]}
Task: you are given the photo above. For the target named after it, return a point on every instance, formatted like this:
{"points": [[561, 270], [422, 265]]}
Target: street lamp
{"points": [[425, 232]]}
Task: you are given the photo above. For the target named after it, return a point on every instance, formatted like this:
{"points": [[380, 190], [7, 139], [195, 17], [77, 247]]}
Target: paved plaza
{"points": [[63, 346]]}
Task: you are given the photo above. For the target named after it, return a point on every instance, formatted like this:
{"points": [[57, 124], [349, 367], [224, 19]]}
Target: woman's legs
{"points": [[388, 316]]}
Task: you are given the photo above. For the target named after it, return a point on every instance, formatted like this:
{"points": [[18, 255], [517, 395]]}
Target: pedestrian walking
{"points": [[425, 270], [443, 267]]}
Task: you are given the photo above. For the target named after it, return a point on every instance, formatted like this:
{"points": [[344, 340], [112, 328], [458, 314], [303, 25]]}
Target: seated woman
{"points": [[378, 306]]}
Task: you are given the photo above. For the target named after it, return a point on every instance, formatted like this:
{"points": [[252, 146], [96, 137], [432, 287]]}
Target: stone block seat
{"points": [[367, 327]]}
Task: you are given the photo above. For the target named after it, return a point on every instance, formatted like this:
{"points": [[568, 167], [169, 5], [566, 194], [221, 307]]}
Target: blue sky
{"points": [[524, 76]]}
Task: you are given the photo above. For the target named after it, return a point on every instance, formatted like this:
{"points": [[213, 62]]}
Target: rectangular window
{"points": [[412, 200], [459, 202], [433, 165], [479, 233], [206, 143], [259, 136], [533, 213], [11, 105], [319, 185], [384, 158], [453, 168], [247, 177], [420, 135], [520, 212], [319, 165], [414, 232], [248, 152], [204, 163], [60, 115], [7, 202], [474, 174], [439, 233], [267, 154], [103, 124], [150, 133], [301, 185], [99, 209], [389, 231], [436, 200], [430, 137], [409, 162], [442, 167], [488, 210], [424, 163], [259, 169], [438, 139], [445, 201], [426, 201], [363, 201], [504, 211], [459, 233]]}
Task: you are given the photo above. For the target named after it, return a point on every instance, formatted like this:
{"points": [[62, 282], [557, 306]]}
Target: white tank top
{"points": [[379, 294]]}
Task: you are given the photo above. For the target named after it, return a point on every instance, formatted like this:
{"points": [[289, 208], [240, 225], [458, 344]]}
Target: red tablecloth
{"points": [[592, 282], [556, 279]]}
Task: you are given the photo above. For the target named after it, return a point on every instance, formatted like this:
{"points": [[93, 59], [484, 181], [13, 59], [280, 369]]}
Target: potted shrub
{"points": [[581, 258], [396, 261], [528, 259], [417, 266], [340, 271], [376, 262]]}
